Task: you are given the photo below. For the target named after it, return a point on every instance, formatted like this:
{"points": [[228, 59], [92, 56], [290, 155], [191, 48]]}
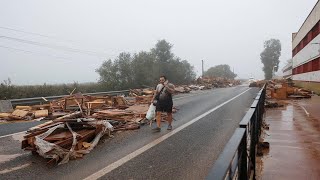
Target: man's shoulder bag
{"points": [[156, 99]]}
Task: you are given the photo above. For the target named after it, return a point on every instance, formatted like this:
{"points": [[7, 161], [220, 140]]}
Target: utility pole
{"points": [[233, 71], [202, 68]]}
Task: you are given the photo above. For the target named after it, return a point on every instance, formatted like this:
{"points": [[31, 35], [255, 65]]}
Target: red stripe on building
{"points": [[307, 81], [307, 38], [310, 66]]}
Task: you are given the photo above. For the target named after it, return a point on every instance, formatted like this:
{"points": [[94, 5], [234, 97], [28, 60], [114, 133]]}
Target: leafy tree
{"points": [[144, 68], [222, 70], [118, 74], [270, 57], [180, 71], [162, 53]]}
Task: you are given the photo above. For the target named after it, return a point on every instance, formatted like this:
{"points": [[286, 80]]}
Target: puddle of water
{"points": [[14, 168], [5, 158]]}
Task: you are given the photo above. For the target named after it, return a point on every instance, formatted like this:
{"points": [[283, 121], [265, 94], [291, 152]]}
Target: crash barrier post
{"points": [[238, 158]]}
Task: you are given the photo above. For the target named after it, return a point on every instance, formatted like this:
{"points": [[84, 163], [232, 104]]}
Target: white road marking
{"points": [[190, 95], [14, 168], [12, 134], [307, 113], [134, 154], [202, 92], [305, 110]]}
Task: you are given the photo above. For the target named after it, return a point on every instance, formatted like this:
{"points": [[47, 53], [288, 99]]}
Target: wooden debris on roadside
{"points": [[4, 115], [41, 113], [135, 92], [69, 116], [18, 114], [182, 89], [139, 110], [26, 108], [77, 122], [127, 126], [215, 82], [147, 92], [281, 89], [120, 102], [269, 104], [141, 92], [144, 99], [65, 139]]}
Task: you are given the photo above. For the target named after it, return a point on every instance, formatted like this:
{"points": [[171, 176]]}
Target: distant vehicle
{"points": [[251, 79]]}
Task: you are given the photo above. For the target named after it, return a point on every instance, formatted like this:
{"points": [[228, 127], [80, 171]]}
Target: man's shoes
{"points": [[156, 129], [169, 127]]}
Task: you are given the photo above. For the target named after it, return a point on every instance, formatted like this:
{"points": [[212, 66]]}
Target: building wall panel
{"points": [[309, 23], [309, 52], [287, 73], [313, 76]]}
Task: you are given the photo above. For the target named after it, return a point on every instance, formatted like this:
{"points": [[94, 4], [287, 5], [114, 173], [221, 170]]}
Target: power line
{"points": [[42, 35], [37, 34], [92, 53], [32, 52]]}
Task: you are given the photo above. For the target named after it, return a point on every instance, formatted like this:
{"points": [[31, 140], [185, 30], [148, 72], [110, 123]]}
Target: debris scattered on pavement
{"points": [[269, 104], [75, 123], [282, 89], [63, 139]]}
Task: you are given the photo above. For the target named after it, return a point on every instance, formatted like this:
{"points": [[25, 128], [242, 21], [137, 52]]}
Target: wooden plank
{"points": [[139, 109], [27, 108], [69, 116], [4, 115], [41, 113], [42, 106], [19, 113], [68, 142], [59, 136], [35, 133]]}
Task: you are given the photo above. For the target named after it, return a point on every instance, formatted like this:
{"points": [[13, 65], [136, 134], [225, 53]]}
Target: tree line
{"points": [[10, 91], [126, 71], [222, 70]]}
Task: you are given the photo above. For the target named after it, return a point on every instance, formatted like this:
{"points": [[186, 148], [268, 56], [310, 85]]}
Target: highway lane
{"points": [[187, 154]]}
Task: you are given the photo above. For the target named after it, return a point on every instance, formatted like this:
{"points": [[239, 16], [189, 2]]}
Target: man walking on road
{"points": [[164, 103]]}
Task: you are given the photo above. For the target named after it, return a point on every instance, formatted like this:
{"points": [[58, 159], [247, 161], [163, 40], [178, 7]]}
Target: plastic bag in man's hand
{"points": [[151, 114]]}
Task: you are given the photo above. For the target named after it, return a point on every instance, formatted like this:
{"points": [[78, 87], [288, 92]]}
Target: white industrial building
{"points": [[287, 70], [306, 52]]}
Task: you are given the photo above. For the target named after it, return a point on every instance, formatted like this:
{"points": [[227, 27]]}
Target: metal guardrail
{"points": [[238, 158], [39, 100]]}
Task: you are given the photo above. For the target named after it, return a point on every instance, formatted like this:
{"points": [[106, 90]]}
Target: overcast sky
{"points": [[72, 38]]}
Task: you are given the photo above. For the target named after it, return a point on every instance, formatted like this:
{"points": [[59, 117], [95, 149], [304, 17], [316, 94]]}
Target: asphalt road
{"points": [[186, 152]]}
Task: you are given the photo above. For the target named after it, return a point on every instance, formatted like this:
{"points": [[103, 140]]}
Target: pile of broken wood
{"points": [[65, 138], [216, 82], [282, 89], [147, 92], [77, 122]]}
